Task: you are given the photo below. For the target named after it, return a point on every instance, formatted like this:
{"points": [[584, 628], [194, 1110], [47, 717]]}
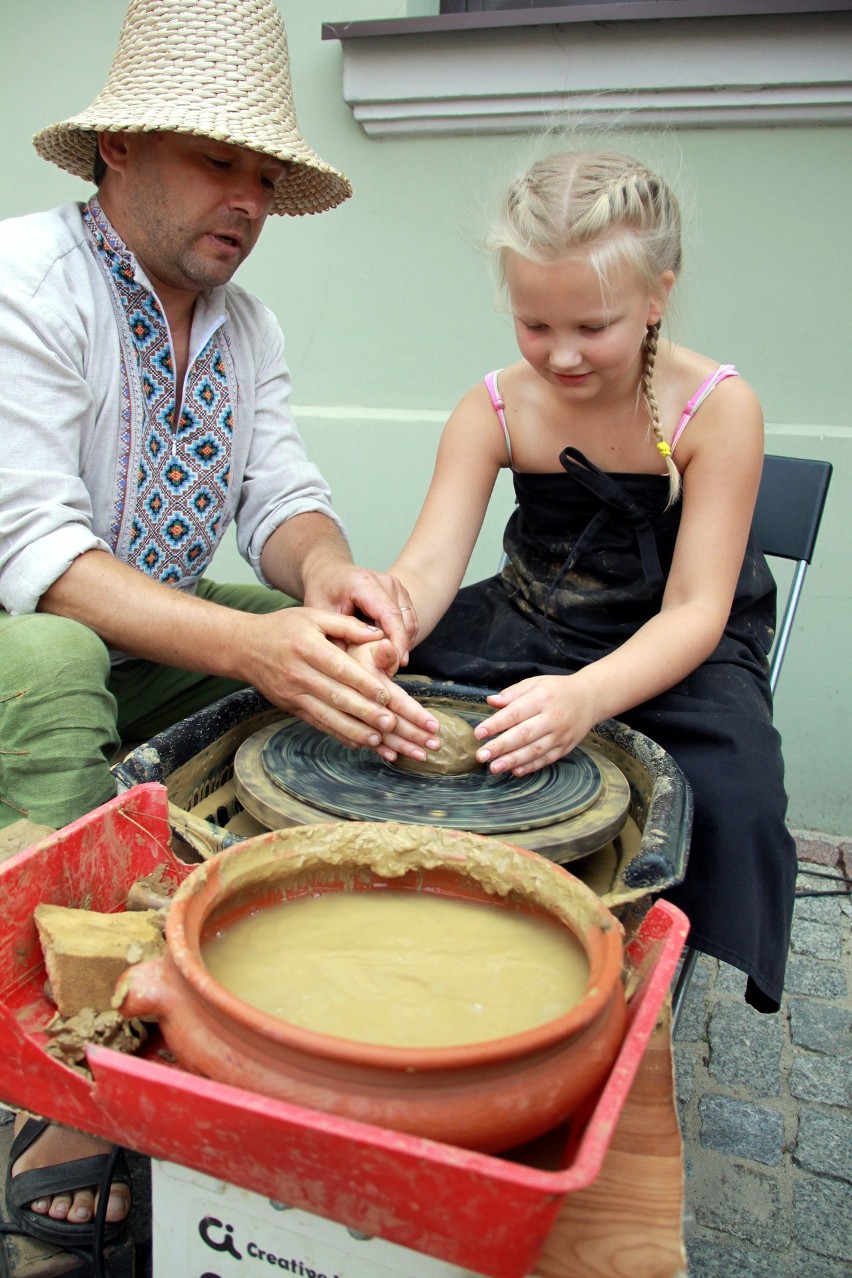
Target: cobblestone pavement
{"points": [[764, 1100]]}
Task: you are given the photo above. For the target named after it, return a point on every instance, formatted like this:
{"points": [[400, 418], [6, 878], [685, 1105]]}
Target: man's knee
{"points": [[39, 650], [57, 720], [54, 676]]}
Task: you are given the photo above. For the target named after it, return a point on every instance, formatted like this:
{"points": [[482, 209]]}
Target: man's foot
{"points": [[56, 1145]]}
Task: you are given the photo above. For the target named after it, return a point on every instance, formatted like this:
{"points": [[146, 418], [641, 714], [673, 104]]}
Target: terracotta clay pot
{"points": [[488, 1096]]}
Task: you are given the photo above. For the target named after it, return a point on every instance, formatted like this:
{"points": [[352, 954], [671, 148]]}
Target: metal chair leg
{"points": [[681, 985]]}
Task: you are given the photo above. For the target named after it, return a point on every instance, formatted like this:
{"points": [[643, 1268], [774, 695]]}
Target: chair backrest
{"points": [[790, 505], [786, 522]]}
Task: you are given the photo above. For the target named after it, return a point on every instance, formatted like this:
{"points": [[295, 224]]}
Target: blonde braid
{"points": [[650, 352]]}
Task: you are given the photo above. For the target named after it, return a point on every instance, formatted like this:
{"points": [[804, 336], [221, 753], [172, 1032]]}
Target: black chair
{"points": [[786, 522]]}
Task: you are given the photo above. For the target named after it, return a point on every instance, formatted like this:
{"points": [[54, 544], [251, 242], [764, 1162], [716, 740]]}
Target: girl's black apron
{"points": [[589, 554]]}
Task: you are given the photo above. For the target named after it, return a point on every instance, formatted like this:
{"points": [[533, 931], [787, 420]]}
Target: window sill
{"points": [[468, 74]]}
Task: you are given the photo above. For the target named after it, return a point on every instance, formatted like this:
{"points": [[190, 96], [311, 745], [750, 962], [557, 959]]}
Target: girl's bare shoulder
{"points": [[682, 372], [474, 426], [512, 386]]}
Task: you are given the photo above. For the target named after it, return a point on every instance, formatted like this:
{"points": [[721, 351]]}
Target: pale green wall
{"points": [[389, 314]]}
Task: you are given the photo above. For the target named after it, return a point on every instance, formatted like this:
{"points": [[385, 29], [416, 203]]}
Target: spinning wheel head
{"points": [[303, 764], [288, 774]]}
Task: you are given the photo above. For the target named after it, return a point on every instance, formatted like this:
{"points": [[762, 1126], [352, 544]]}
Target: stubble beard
{"points": [[203, 272], [173, 254]]}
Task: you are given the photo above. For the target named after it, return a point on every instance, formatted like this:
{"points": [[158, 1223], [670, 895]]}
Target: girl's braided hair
{"points": [[617, 209]]}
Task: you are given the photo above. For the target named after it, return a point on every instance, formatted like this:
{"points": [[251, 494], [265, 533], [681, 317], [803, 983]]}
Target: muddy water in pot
{"points": [[403, 969], [487, 1095]]}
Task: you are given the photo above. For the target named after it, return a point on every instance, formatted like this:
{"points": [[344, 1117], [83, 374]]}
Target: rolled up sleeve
{"points": [[45, 509]]}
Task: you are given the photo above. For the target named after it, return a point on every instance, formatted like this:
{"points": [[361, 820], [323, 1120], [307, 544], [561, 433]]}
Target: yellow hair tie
{"points": [[665, 451]]}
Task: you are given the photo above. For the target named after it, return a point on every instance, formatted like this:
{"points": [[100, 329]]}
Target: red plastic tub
{"points": [[481, 1212]]}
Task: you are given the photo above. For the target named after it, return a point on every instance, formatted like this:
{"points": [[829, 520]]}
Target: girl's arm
{"points": [[435, 557], [721, 455], [433, 561]]}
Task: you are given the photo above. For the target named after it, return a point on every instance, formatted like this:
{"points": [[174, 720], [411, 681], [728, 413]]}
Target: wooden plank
{"points": [[629, 1222]]}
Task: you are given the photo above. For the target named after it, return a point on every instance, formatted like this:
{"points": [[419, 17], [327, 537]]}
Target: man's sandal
{"points": [[62, 1178]]}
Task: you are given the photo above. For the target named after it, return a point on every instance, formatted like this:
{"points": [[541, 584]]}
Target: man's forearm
{"points": [[300, 550], [145, 618], [296, 657]]}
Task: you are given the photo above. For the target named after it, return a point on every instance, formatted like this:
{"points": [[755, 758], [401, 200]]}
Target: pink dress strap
{"points": [[723, 371], [499, 407]]}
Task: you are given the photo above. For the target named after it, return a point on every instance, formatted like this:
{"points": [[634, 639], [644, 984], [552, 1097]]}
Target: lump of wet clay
{"points": [[154, 892], [85, 953], [22, 834], [457, 753]]}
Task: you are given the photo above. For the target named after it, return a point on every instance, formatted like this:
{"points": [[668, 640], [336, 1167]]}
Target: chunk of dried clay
{"points": [[69, 1038], [85, 953], [457, 753], [22, 834]]}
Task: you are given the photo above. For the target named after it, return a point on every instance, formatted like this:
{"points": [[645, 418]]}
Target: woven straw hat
{"points": [[213, 68]]}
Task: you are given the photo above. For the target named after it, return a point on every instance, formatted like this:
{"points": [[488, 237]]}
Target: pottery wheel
{"points": [[319, 771], [288, 774]]}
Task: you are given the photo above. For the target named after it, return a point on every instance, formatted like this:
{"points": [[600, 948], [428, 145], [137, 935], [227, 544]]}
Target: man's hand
{"points": [[379, 658], [297, 659], [307, 557], [348, 589]]}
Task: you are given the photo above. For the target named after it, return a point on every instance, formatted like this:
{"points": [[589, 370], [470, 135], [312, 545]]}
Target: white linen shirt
{"points": [[61, 387]]}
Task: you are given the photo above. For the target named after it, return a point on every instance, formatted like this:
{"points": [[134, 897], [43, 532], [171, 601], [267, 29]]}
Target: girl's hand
{"points": [[379, 657], [538, 721]]}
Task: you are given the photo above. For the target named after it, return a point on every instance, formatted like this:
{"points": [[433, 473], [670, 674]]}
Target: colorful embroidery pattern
{"points": [[181, 483]]}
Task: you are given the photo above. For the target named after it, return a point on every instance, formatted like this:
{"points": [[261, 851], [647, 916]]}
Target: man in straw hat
{"points": [[148, 405]]}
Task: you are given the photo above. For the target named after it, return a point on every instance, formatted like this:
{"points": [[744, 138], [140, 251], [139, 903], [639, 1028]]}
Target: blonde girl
{"points": [[633, 588]]}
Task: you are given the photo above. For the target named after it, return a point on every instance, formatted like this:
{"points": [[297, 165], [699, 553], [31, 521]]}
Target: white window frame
{"points": [[501, 72]]}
